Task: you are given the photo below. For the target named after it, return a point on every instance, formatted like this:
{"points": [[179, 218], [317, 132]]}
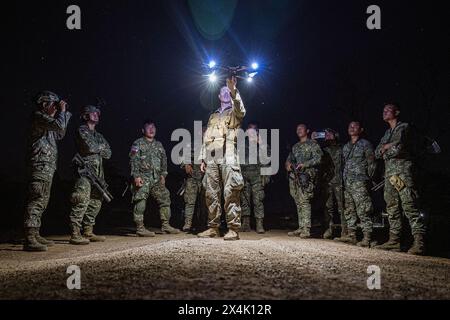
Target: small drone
{"points": [[241, 72]]}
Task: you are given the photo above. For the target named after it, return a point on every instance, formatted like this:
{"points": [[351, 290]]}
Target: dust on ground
{"points": [[269, 266]]}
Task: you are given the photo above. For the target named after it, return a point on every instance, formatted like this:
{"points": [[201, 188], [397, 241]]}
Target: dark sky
{"points": [[320, 65]]}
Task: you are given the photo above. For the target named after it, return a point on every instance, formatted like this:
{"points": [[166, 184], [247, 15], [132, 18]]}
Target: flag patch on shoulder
{"points": [[134, 150]]}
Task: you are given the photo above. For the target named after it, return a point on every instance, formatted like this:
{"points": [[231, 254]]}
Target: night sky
{"points": [[320, 65]]}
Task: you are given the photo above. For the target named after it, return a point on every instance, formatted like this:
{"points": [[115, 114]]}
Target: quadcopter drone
{"points": [[241, 72]]}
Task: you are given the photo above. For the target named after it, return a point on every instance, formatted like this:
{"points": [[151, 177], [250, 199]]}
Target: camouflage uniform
{"points": [[219, 152], [86, 199], [333, 183], [148, 161], [398, 164], [193, 189], [253, 186], [359, 166], [43, 153], [309, 154]]}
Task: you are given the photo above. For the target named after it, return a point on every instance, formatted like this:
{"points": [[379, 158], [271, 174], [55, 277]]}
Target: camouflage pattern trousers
{"points": [[303, 201], [86, 203], [39, 190], [158, 192], [358, 204], [253, 191], [194, 188], [334, 199], [226, 177], [406, 199]]}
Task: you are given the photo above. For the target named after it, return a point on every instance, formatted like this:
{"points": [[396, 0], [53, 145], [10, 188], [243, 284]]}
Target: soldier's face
{"points": [[329, 136], [354, 129], [388, 113], [302, 131], [94, 117], [225, 96], [150, 131]]}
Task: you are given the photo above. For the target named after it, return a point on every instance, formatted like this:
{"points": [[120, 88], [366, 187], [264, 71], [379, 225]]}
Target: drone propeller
{"points": [[241, 72]]}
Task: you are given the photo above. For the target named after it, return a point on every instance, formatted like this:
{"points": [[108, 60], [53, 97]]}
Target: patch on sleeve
{"points": [[134, 150]]}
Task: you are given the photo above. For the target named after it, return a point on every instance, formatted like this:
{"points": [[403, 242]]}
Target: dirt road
{"points": [[272, 266]]}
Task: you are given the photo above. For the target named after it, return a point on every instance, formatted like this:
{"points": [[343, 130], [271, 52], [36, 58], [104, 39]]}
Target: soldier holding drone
{"points": [[220, 165]]}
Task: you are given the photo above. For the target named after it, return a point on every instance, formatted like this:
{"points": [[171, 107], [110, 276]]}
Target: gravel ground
{"points": [[272, 266]]}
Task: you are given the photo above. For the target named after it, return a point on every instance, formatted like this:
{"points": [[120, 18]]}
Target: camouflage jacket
{"points": [[197, 174], [332, 164], [45, 131], [148, 160], [93, 148], [309, 154], [221, 133], [255, 168], [359, 161], [397, 158]]}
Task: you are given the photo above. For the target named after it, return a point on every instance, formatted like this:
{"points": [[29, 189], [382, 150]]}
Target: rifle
{"points": [[377, 186], [182, 189], [433, 148], [300, 178], [85, 170]]}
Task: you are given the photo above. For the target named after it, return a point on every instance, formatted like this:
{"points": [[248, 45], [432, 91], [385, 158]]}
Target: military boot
{"points": [[44, 241], [305, 234], [209, 233], [167, 228], [88, 233], [344, 230], [245, 226], [295, 233], [231, 235], [76, 237], [418, 247], [393, 244], [31, 243], [350, 238], [260, 226], [141, 231], [328, 234], [365, 242], [187, 224]]}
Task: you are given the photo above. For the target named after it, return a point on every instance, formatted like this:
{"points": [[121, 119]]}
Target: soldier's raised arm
{"points": [[238, 106], [57, 124]]}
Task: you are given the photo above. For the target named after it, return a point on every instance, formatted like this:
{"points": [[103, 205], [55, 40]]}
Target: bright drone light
{"points": [[212, 77], [255, 66], [249, 79], [212, 64]]}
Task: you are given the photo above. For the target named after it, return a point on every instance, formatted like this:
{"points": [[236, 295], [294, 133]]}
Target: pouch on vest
{"points": [[397, 183]]}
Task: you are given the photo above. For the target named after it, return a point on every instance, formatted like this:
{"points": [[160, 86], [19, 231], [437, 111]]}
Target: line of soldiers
{"points": [[148, 168], [348, 171], [222, 175]]}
